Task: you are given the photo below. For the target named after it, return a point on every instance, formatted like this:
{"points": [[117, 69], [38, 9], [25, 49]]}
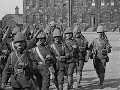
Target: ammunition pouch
{"points": [[104, 52], [18, 71]]}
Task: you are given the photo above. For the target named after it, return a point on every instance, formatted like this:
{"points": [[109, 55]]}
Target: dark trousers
{"points": [[100, 65], [43, 78], [80, 66], [60, 72]]}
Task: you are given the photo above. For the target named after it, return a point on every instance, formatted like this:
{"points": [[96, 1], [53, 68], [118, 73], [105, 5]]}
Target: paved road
{"points": [[112, 79]]}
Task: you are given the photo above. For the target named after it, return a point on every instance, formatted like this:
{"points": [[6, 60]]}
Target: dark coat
{"points": [[18, 79]]}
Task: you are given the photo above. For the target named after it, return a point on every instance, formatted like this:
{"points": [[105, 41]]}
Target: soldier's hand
{"points": [[74, 46], [3, 85], [48, 57], [5, 51]]}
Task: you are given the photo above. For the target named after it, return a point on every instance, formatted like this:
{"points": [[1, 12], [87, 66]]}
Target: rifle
{"points": [[26, 30], [32, 42], [6, 35]]}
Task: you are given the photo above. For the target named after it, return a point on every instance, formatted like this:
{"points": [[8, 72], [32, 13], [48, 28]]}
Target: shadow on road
{"points": [[113, 83], [109, 83], [88, 70]]}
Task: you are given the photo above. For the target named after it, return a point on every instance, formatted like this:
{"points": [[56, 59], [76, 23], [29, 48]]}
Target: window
{"points": [[84, 2], [93, 2], [34, 18], [41, 18], [105, 17], [112, 3], [37, 15], [102, 3], [113, 17], [27, 3], [75, 3], [74, 18], [48, 3], [34, 2], [48, 18], [85, 18], [41, 3]]}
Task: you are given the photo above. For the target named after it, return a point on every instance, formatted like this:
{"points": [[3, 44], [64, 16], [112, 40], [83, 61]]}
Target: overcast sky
{"points": [[8, 7]]}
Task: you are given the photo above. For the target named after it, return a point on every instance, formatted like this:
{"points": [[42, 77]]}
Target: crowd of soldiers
{"points": [[31, 60]]}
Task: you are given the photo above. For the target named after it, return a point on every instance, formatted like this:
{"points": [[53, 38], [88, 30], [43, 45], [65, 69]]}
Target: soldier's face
{"points": [[100, 34], [20, 45], [68, 35], [57, 39], [41, 40]]}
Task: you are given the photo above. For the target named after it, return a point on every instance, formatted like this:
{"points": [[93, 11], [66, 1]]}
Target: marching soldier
{"points": [[71, 51], [43, 59], [4, 53], [14, 32], [83, 48], [100, 48], [18, 66], [59, 51]]}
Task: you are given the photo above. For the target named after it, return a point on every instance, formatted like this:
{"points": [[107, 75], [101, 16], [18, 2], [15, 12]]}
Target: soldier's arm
{"points": [[89, 51], [31, 43], [7, 70], [91, 46], [86, 44], [108, 47], [6, 35]]}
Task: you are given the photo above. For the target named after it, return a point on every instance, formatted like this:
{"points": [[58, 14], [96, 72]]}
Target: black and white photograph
{"points": [[59, 44]]}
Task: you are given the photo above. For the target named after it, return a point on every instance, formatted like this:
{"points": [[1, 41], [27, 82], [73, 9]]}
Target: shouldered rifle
{"points": [[6, 35]]}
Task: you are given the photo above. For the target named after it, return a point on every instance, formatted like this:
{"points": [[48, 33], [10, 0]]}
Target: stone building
{"points": [[86, 13], [13, 19]]}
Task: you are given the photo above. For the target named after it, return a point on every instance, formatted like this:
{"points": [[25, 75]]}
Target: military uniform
{"points": [[81, 58], [18, 67], [43, 63], [59, 51], [100, 48], [4, 53], [71, 51]]}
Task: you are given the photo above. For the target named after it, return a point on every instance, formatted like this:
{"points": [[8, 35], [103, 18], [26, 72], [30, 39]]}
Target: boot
{"points": [[101, 80], [79, 78], [60, 87], [70, 82]]}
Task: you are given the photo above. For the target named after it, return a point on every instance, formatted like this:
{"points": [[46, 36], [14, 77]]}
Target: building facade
{"points": [[13, 20], [87, 13]]}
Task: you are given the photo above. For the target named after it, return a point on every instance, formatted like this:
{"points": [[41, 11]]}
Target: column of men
{"points": [[49, 54]]}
